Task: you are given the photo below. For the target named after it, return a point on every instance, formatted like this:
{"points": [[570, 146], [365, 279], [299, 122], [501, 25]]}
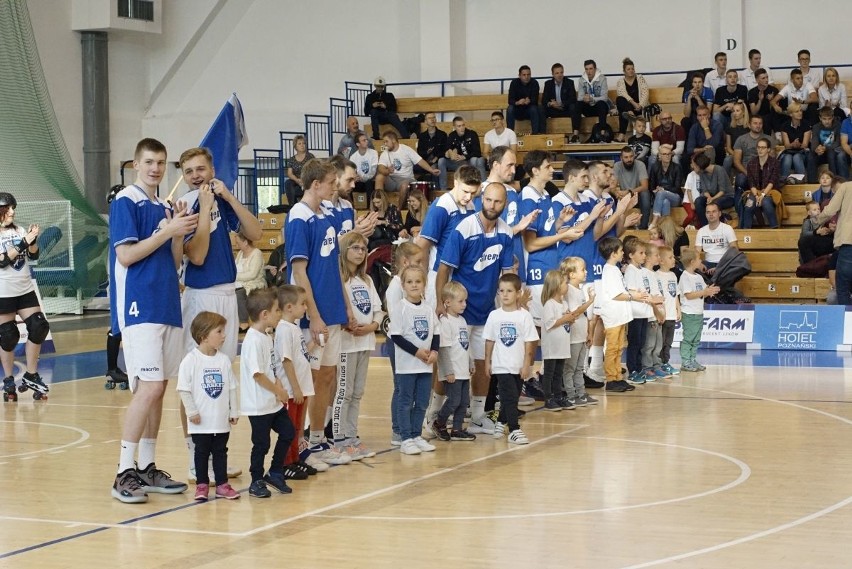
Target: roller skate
{"points": [[33, 381], [116, 377], [9, 393]]}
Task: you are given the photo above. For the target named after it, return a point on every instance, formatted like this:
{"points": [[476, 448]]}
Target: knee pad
{"points": [[9, 336], [37, 327]]}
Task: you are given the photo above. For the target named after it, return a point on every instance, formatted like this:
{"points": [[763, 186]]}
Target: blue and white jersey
{"points": [[313, 237], [343, 216], [147, 291], [442, 218], [543, 260], [583, 247], [595, 267], [478, 259], [511, 215], [218, 267]]}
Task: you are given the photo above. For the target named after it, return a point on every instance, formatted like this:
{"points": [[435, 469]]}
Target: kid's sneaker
{"points": [[258, 489], [462, 436], [499, 431], [517, 437], [201, 492], [669, 369], [423, 444], [440, 431], [224, 491], [408, 446]]}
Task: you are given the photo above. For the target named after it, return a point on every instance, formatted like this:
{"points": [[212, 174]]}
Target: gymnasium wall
{"points": [[285, 58]]}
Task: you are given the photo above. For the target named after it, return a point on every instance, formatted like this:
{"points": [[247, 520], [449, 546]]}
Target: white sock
{"points": [[477, 408], [147, 450], [190, 446], [596, 357], [127, 458], [316, 438]]}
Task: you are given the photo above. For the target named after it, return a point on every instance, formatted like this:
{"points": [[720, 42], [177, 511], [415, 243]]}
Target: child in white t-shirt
{"points": [[455, 364], [208, 390], [356, 345], [580, 299], [556, 321], [293, 369], [641, 307], [671, 304], [651, 366], [692, 293], [510, 340]]}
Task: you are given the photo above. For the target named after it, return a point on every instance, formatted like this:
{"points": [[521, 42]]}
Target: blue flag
{"points": [[224, 140]]}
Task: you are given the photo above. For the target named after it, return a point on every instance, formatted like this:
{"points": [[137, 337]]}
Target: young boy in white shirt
{"points": [[671, 304], [693, 291]]}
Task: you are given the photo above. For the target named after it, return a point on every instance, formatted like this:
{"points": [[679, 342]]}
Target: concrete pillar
{"points": [[96, 150]]}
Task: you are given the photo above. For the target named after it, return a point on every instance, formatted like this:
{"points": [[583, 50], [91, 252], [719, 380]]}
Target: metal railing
{"points": [[245, 188]]}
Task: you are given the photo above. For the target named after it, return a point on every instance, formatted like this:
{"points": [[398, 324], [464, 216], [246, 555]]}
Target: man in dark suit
{"points": [[560, 99]]}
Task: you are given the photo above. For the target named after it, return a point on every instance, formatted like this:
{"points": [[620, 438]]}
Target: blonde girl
{"points": [[556, 323], [579, 300]]}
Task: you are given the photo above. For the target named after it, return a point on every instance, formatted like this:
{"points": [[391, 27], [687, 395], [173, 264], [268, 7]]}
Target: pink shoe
{"points": [[201, 491], [226, 491]]}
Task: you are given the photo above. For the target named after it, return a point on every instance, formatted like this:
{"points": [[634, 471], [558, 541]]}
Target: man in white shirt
{"points": [[798, 91], [747, 76], [716, 78], [366, 162], [396, 167], [811, 75], [499, 135], [715, 238]]}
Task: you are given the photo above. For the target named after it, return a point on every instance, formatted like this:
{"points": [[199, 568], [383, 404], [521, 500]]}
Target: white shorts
{"points": [[536, 308], [431, 296], [221, 299], [477, 342], [328, 355], [152, 352], [596, 306]]}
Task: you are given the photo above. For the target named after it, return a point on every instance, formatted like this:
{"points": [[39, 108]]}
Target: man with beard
{"points": [[342, 212], [632, 177], [611, 223], [667, 133], [366, 162], [477, 252], [349, 141]]}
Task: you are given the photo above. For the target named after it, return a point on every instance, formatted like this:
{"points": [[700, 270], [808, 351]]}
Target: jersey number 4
{"points": [[133, 310]]}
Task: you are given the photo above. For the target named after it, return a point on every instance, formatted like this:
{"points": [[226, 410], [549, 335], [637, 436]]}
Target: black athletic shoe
{"points": [[616, 386], [532, 388], [258, 489], [592, 383], [276, 481], [306, 468], [293, 473]]}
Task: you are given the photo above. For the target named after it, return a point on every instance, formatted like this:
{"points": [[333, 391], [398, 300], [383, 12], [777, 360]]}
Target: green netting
{"points": [[36, 167]]}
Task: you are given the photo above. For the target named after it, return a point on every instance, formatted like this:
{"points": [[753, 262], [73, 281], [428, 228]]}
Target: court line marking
{"points": [[348, 502], [745, 474], [770, 531], [84, 435]]}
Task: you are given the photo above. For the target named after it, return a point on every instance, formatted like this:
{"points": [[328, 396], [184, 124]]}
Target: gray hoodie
{"points": [[597, 88]]}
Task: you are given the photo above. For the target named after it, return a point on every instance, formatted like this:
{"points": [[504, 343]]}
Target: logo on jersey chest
{"points": [[421, 327], [551, 219], [671, 286], [328, 242], [10, 243], [361, 300], [464, 339], [508, 333], [488, 258], [212, 382], [512, 213]]}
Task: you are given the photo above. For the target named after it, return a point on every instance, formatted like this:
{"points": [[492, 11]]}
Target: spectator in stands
{"points": [[825, 145], [760, 99], [559, 99], [640, 141], [523, 100], [668, 132], [844, 153], [706, 136], [832, 93], [714, 238], [717, 77], [462, 148], [673, 235], [293, 185], [499, 135], [738, 127], [745, 148], [592, 93], [796, 136], [380, 106], [763, 194], [816, 239], [698, 96], [796, 91], [366, 162], [249, 262], [389, 222], [714, 187], [349, 140], [665, 181], [431, 144], [841, 205], [726, 96], [811, 75], [632, 96], [417, 208], [396, 167], [632, 176], [748, 76]]}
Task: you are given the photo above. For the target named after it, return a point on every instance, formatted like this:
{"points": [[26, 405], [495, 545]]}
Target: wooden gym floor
{"points": [[743, 465]]}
